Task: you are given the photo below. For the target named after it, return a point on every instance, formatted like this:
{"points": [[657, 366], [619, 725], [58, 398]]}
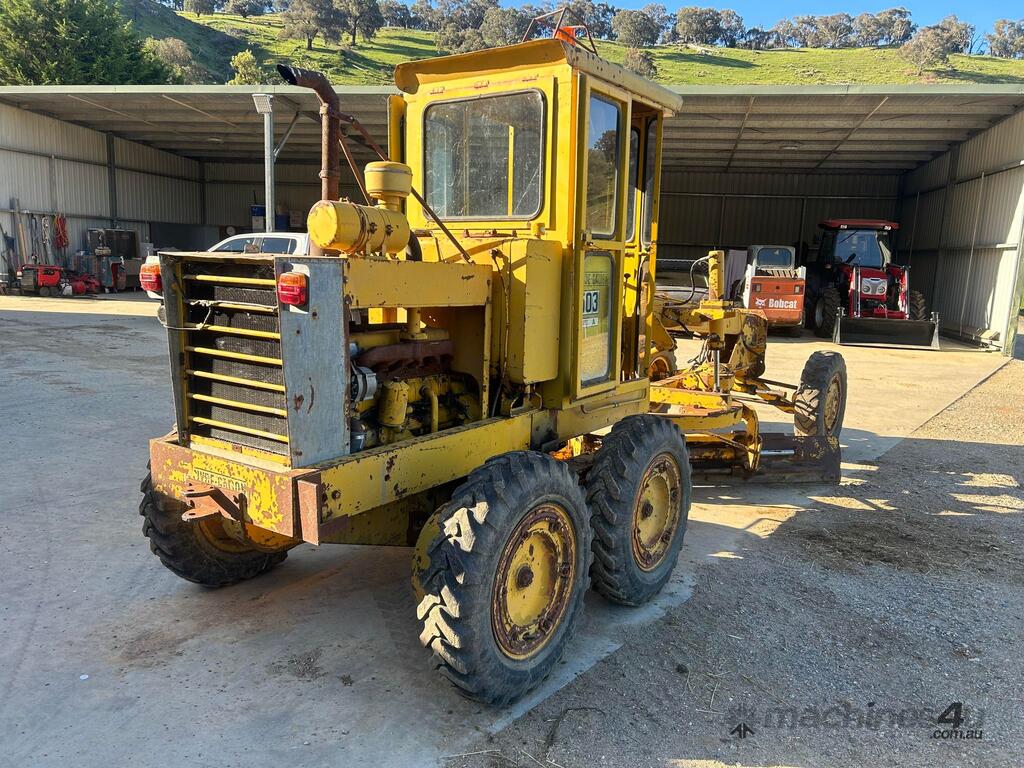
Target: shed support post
{"points": [[268, 170], [112, 180]]}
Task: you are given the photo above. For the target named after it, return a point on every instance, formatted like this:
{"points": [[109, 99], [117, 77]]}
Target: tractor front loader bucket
{"points": [[877, 330]]}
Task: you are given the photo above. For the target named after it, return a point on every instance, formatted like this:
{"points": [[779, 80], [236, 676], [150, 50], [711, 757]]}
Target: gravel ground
{"points": [[839, 639]]}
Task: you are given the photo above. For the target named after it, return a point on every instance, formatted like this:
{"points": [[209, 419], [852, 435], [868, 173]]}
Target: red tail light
{"points": [[292, 289], [149, 278]]}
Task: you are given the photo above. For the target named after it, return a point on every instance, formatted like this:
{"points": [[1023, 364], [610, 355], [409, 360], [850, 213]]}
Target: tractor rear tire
{"points": [[638, 489], [821, 396], [504, 576], [44, 291], [826, 311], [918, 306], [198, 551]]}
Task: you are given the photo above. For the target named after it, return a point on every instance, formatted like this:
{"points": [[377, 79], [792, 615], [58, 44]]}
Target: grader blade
{"points": [[781, 458], [799, 459]]}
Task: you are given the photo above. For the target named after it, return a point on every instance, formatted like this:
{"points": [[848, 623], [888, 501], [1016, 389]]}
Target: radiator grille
{"points": [[235, 382]]}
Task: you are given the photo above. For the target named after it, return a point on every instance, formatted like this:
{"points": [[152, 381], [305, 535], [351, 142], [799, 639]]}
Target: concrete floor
{"points": [[108, 659]]}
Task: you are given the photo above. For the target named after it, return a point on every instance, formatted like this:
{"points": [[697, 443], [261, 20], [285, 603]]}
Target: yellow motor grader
{"points": [[444, 370]]}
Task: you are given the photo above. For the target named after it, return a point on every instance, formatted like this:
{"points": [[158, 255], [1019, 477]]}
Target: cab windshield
{"points": [[483, 158], [781, 258], [858, 247]]}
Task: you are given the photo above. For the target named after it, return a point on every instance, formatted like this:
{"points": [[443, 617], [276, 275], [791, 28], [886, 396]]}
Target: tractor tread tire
{"points": [[819, 370], [918, 306], [458, 576], [612, 485], [184, 551], [831, 301]]}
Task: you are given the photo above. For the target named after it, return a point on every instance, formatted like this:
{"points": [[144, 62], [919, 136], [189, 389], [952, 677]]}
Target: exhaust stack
{"points": [[330, 125]]}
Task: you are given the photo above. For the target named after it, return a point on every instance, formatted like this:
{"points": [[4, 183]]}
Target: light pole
{"points": [[265, 106]]}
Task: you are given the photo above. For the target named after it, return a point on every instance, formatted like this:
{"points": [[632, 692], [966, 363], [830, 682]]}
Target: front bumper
{"points": [[283, 501]]}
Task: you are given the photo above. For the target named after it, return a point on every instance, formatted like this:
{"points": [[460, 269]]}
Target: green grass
{"points": [[211, 49], [215, 38], [813, 66]]}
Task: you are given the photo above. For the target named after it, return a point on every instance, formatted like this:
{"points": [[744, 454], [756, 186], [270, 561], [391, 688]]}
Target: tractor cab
{"points": [[855, 286], [855, 242]]}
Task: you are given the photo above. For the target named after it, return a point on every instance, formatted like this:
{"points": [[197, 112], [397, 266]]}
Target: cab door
{"points": [[600, 237], [642, 193]]}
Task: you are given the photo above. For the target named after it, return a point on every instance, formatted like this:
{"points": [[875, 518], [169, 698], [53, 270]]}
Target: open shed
{"points": [[743, 164]]}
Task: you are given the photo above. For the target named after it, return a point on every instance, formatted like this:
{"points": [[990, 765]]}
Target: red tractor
{"points": [[856, 294]]}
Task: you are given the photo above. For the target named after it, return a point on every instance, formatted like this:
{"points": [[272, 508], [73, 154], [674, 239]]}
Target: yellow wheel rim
{"points": [[659, 368], [833, 400], [212, 530], [656, 511], [535, 575]]}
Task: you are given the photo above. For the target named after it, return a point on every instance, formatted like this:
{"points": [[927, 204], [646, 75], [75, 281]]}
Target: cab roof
{"points": [[409, 77], [879, 224]]}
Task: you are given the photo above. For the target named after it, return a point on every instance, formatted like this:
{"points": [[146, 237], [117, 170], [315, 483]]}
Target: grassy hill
{"points": [[215, 38]]}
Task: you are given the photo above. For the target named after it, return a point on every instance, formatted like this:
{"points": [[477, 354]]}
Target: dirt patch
{"points": [[303, 666]]}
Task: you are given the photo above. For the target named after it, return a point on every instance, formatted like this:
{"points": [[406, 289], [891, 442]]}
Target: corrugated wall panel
{"points": [[25, 177], [763, 208], [143, 197], [36, 133], [928, 176], [1000, 145], [138, 157], [965, 258], [81, 189], [920, 223], [231, 188]]}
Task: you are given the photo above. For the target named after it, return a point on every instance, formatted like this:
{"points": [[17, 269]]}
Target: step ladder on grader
{"points": [[462, 365]]}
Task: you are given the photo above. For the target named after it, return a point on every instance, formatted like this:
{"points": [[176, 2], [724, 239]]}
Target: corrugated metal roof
{"points": [[803, 128]]}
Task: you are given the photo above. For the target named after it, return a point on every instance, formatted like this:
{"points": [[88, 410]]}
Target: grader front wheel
{"points": [[821, 396], [500, 574], [662, 366], [200, 551], [639, 493]]}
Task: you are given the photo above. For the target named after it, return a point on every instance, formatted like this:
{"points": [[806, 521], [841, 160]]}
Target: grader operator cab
{"points": [[439, 371]]}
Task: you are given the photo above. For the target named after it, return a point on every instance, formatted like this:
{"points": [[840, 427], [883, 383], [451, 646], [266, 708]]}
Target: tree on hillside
{"points": [[72, 42], [247, 69], [896, 25], [305, 19], [201, 7], [959, 33], [597, 16], [868, 30], [424, 16], [835, 30], [396, 13], [635, 29], [698, 25], [929, 48], [806, 33], [1006, 39], [503, 26], [663, 20], [246, 8], [733, 28], [177, 57], [453, 38], [362, 16], [785, 33], [758, 39], [641, 62]]}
